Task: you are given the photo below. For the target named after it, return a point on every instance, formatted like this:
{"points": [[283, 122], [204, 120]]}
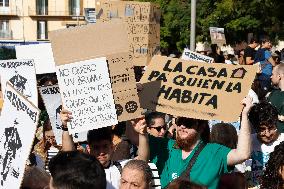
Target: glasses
{"points": [[264, 130], [159, 128], [187, 122]]}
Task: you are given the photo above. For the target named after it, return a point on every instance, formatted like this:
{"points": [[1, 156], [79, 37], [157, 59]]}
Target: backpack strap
{"points": [[186, 173], [118, 166]]}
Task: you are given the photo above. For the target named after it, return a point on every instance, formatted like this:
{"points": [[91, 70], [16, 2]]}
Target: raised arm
{"points": [[140, 127], [67, 139], [243, 150]]}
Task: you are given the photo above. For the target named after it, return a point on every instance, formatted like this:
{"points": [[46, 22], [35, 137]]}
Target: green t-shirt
{"points": [[209, 165], [276, 98]]}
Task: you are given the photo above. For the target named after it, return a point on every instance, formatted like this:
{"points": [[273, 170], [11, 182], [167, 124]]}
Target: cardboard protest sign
{"points": [[196, 89], [87, 93], [217, 35], [112, 45], [190, 55], [18, 120], [40, 53], [21, 74], [143, 26], [53, 104]]}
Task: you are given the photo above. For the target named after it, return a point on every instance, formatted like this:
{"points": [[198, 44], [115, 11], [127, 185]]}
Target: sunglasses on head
{"points": [[187, 122], [159, 128]]}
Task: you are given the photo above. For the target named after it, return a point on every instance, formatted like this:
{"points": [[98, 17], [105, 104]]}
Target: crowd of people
{"points": [[187, 152]]}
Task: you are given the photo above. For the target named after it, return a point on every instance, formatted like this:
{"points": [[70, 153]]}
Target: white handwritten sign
{"points": [[87, 93], [53, 104], [21, 74], [18, 120], [190, 55]]}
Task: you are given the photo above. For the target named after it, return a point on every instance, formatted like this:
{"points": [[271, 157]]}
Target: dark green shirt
{"points": [[276, 98], [210, 164]]}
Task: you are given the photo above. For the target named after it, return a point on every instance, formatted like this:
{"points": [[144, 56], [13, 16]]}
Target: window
{"points": [[4, 25], [42, 30], [42, 7], [74, 7], [4, 3]]}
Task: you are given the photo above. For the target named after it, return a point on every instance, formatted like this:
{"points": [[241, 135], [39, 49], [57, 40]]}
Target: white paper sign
{"points": [[18, 120], [190, 55], [53, 104], [21, 74], [42, 55], [86, 92]]}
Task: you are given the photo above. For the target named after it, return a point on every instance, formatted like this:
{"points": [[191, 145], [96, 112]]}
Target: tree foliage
{"points": [[238, 17]]}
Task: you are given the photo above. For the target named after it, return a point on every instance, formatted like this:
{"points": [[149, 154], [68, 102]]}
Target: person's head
{"points": [[119, 129], [183, 184], [214, 48], [136, 174], [277, 75], [273, 176], [76, 170], [100, 144], [233, 180], [253, 43], [265, 43], [225, 134], [156, 125], [190, 130], [263, 117]]}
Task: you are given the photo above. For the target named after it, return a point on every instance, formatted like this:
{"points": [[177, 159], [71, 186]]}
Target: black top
{"points": [[249, 52]]}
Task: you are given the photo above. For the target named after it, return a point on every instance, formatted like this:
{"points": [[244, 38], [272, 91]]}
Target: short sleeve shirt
{"points": [[266, 65], [113, 175], [209, 165], [249, 52]]}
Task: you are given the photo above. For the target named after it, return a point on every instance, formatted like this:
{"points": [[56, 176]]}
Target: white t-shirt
{"points": [[259, 158], [113, 175]]}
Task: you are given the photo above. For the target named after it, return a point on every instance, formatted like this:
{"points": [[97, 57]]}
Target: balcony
{"points": [[36, 13], [6, 34], [9, 12]]}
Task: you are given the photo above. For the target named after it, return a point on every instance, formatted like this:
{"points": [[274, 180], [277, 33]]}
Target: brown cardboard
{"points": [[143, 26], [220, 103], [102, 40]]}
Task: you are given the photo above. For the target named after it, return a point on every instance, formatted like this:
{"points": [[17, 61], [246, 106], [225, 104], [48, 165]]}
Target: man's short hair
{"points": [[253, 40], [97, 135], [150, 118], [280, 68], [76, 170], [263, 114], [264, 40], [141, 166]]}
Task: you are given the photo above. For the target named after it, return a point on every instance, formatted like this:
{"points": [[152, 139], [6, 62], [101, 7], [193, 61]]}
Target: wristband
{"points": [[64, 128]]}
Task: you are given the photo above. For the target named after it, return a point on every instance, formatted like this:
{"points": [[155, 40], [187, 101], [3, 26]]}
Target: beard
{"points": [[186, 143]]}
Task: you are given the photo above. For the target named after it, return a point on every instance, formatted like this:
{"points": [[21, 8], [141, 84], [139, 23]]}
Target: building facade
{"points": [[29, 21]]}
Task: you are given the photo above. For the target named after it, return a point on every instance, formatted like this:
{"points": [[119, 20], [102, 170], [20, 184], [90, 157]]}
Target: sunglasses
{"points": [[159, 128], [187, 122]]}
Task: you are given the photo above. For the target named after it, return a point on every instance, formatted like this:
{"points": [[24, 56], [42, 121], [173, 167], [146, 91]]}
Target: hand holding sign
{"points": [[247, 102], [139, 125], [65, 117]]}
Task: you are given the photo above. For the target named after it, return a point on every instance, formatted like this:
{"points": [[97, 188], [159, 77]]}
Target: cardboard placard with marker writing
{"points": [[196, 89], [108, 40], [143, 26]]}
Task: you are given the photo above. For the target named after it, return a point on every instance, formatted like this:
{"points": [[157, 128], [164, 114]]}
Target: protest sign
{"points": [[87, 93], [21, 74], [40, 53], [190, 55], [18, 120], [53, 104], [217, 36], [143, 26], [196, 89], [115, 48]]}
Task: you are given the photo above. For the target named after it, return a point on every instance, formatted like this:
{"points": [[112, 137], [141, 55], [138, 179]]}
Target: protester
{"points": [[249, 52], [156, 125], [122, 146], [273, 176], [172, 157], [184, 184], [225, 134], [276, 97], [76, 170], [234, 180], [241, 58], [216, 54], [136, 174], [101, 146], [263, 117], [263, 56]]}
